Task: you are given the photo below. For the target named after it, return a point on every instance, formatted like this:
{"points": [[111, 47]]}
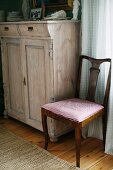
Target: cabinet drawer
{"points": [[8, 30], [33, 30]]}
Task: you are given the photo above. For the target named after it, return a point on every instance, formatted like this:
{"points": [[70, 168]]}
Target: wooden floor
{"points": [[92, 153]]}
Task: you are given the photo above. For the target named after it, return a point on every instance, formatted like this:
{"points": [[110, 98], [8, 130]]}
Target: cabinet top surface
{"points": [[41, 22], [38, 28]]}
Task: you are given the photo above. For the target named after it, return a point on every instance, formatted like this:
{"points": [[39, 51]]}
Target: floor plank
{"points": [[92, 151]]}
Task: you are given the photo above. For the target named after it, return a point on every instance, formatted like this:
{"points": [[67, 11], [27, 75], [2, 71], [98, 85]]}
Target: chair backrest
{"points": [[93, 77]]}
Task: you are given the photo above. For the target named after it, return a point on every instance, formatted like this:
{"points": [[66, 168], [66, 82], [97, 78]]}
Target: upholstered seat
{"points": [[74, 109], [78, 112]]}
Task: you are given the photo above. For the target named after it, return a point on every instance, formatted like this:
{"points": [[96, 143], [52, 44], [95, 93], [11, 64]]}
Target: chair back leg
{"points": [[78, 131], [104, 124]]}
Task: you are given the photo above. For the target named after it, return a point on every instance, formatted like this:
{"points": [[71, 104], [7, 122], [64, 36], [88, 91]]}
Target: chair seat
{"points": [[74, 109]]}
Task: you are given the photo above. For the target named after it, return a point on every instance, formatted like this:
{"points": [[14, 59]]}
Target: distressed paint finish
{"points": [[48, 53]]}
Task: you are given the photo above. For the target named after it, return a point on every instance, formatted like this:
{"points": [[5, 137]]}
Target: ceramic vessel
{"points": [[25, 9], [76, 5]]}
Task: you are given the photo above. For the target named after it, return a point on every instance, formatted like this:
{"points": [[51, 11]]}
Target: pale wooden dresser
{"points": [[39, 60]]}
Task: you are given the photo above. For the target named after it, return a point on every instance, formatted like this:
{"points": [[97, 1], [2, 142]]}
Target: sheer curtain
{"points": [[97, 41]]}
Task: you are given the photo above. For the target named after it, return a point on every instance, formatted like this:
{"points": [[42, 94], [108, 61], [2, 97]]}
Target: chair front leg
{"points": [[45, 128], [78, 143]]}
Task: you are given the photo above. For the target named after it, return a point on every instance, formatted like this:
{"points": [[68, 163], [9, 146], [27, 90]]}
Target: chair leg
{"points": [[45, 129], [78, 144], [104, 124]]}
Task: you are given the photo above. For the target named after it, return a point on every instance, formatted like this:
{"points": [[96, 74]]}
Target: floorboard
{"points": [[92, 151]]}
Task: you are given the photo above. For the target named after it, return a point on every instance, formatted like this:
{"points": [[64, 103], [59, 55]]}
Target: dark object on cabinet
{"points": [[79, 112], [59, 5]]}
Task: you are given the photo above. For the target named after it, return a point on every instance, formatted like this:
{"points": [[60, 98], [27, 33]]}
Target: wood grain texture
{"points": [[92, 151], [12, 78]]}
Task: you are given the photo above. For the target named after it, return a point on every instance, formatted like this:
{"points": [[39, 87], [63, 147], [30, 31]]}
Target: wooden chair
{"points": [[79, 112]]}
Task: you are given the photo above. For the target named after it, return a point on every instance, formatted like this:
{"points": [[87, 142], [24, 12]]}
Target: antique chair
{"points": [[79, 112]]}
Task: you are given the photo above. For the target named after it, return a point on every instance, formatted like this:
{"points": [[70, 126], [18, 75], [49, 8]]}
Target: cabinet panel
{"points": [[38, 68], [13, 78], [1, 86]]}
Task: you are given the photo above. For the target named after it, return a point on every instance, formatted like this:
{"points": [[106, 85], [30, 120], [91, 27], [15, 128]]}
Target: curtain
{"points": [[97, 41]]}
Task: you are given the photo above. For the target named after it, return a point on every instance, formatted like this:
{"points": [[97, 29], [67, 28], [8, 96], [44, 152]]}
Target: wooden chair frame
{"points": [[94, 72]]}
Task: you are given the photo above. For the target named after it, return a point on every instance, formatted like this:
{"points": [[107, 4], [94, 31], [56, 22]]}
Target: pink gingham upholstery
{"points": [[74, 109]]}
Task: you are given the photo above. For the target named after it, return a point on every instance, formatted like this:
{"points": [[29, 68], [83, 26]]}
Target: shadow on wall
{"points": [[12, 5]]}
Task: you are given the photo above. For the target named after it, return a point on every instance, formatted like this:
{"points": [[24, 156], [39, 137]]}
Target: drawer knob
{"points": [[30, 28], [6, 28]]}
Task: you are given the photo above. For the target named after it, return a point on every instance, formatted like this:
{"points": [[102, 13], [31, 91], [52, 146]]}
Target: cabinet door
{"points": [[38, 62], [13, 79]]}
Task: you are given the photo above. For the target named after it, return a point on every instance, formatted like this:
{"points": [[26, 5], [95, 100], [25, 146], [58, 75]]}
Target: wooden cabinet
{"points": [[39, 66], [1, 86]]}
